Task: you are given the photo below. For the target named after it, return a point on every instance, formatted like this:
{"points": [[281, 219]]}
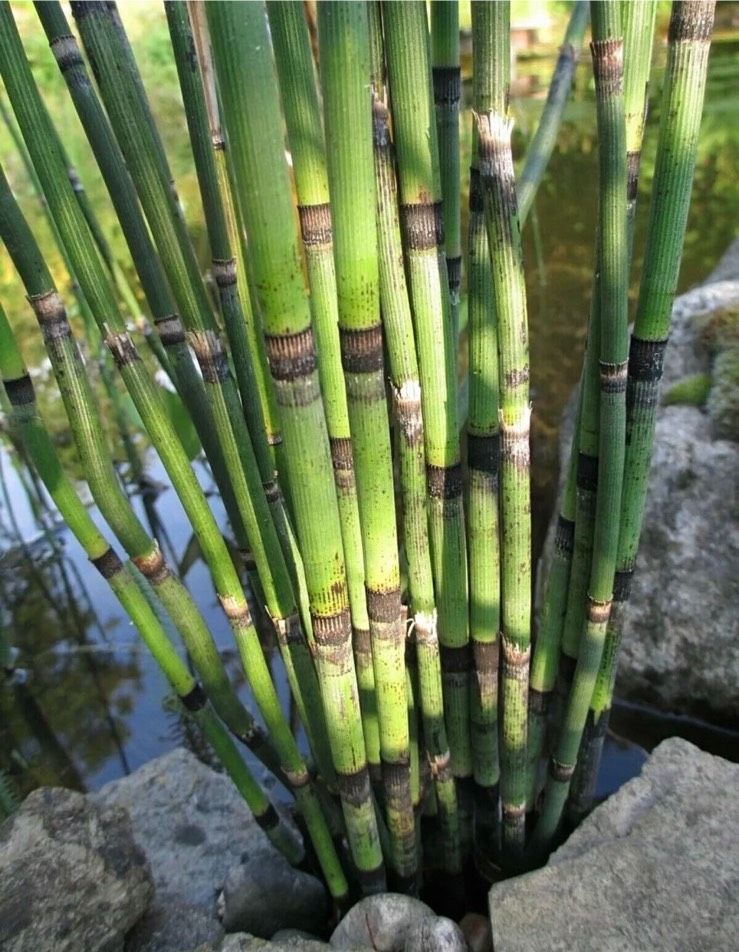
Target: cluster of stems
{"points": [[383, 528]]}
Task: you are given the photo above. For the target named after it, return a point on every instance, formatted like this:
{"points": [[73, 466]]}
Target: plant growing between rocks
{"points": [[389, 555]]}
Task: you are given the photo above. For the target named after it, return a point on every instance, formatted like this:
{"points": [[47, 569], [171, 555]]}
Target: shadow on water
{"points": [[82, 702]]}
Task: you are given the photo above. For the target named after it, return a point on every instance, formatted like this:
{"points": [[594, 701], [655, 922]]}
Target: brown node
{"points": [[332, 631], [447, 82], [316, 225], [211, 355], [362, 641], [691, 22], [423, 225], [170, 330], [291, 356], [354, 786], [108, 564], [224, 272], [457, 660], [486, 655], [297, 778], [608, 65], [272, 492], [560, 772], [121, 347], [361, 350], [444, 482], [236, 609], [152, 565], [598, 612], [48, 308], [477, 195], [632, 179], [613, 377], [383, 606], [195, 699]]}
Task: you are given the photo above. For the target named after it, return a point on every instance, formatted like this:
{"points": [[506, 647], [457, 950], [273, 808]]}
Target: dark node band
{"points": [[447, 85], [20, 391], [383, 607], [396, 777], [486, 655], [214, 366], [170, 329], [341, 453], [361, 350], [332, 630], [632, 179], [622, 585], [455, 660], [562, 773], [122, 348], [564, 537], [354, 787], [315, 224], [269, 819], [362, 641], [477, 195], [608, 66], [224, 272], [272, 492], [444, 482], [539, 701], [691, 22], [454, 272], [483, 452], [613, 377], [587, 472], [646, 358], [194, 700], [66, 52], [380, 126], [48, 308], [108, 563], [517, 377], [423, 225], [291, 356]]}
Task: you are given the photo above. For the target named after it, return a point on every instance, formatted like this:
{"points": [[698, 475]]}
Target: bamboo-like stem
{"points": [[28, 427], [509, 292], [682, 105], [299, 96], [447, 92], [490, 82], [607, 50], [104, 484], [294, 649], [343, 33], [406, 389], [123, 195], [542, 145], [414, 125], [252, 117], [98, 289]]}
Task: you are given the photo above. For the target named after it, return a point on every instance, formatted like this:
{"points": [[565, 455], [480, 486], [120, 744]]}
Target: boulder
{"points": [[265, 893], [390, 922], [174, 927], [243, 942], [656, 866], [71, 875], [194, 827]]}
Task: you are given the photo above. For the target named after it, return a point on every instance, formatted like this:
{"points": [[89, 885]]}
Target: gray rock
{"points": [[243, 942], [71, 875], [266, 893], [193, 827], [174, 927], [381, 922], [654, 867], [435, 934]]}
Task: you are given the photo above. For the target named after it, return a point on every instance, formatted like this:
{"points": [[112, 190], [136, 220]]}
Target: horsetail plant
{"points": [[396, 578]]}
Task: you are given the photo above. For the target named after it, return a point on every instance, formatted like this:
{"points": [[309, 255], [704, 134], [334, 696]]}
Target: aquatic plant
{"points": [[383, 529]]}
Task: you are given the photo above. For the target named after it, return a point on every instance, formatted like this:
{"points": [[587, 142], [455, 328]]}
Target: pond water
{"points": [[84, 703]]}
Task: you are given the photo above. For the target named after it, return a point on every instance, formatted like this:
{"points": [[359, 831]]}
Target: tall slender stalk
{"points": [[490, 82], [343, 33], [397, 323], [414, 125], [447, 82], [509, 294], [29, 428], [542, 145], [607, 50], [680, 115], [303, 119], [98, 289], [280, 599], [252, 116], [113, 503]]}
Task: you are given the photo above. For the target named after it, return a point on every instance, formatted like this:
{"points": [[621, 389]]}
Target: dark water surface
{"points": [[85, 702]]}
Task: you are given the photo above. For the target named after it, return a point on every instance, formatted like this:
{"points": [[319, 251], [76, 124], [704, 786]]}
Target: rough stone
{"points": [[193, 827], [383, 922], [173, 927], [266, 893], [477, 932], [435, 934], [71, 875], [656, 866], [243, 942]]}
